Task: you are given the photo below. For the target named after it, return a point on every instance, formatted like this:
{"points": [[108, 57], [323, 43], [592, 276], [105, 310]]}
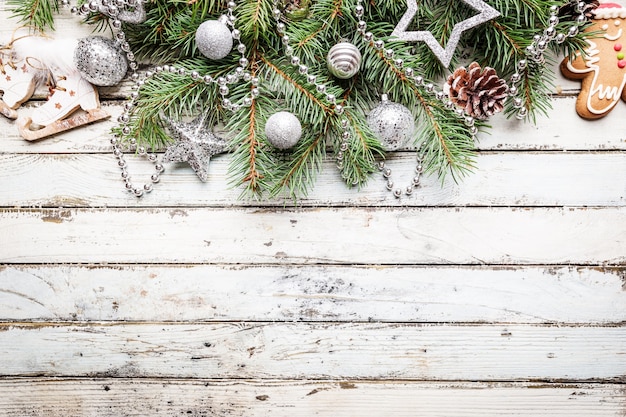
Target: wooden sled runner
{"points": [[59, 126]]}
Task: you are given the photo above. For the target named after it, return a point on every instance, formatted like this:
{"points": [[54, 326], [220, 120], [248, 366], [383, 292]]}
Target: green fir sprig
{"points": [[314, 26]]}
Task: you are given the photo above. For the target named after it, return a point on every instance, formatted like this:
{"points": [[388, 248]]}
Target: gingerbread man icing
{"points": [[603, 69]]}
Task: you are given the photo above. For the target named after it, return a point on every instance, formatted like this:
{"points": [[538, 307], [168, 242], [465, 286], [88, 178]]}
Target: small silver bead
{"points": [[419, 80], [155, 178], [409, 190], [321, 88], [207, 79], [416, 181], [195, 75], [397, 193], [359, 10], [339, 109], [390, 185], [311, 78], [330, 98], [409, 72], [368, 36], [138, 192], [379, 44], [381, 165], [387, 173], [147, 188], [159, 168], [152, 157], [573, 31]]}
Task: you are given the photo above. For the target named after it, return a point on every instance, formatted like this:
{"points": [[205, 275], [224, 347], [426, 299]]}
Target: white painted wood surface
{"points": [[504, 295]]}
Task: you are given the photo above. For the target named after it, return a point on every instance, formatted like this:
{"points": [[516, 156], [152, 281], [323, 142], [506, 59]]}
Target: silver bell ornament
{"points": [[343, 60], [100, 61], [214, 39], [283, 130], [392, 124]]}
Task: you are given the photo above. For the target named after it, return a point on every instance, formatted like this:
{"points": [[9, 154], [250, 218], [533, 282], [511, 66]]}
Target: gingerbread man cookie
{"points": [[603, 69]]}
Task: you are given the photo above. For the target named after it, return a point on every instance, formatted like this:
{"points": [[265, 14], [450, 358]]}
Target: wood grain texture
{"points": [[313, 293], [29, 397], [501, 179], [380, 351], [316, 236]]}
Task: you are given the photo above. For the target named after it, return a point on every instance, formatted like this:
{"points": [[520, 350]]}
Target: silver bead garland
{"points": [[534, 53], [222, 82]]}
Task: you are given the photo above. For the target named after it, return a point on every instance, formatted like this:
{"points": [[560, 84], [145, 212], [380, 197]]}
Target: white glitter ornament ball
{"points": [[392, 124], [283, 130], [214, 39], [100, 61], [344, 60]]}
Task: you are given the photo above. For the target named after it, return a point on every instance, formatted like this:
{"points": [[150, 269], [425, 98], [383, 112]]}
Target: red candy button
{"points": [[621, 63], [617, 46]]}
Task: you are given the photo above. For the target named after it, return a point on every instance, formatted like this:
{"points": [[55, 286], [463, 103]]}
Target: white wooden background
{"points": [[504, 295]]}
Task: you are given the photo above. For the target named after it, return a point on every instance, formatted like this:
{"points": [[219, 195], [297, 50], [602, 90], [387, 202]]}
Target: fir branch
{"points": [[36, 13]]}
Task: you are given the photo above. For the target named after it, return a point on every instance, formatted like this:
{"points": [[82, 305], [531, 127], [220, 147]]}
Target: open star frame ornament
{"points": [[443, 54]]}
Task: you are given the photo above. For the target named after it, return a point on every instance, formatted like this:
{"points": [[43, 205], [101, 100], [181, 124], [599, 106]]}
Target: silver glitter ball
{"points": [[100, 61], [283, 130], [343, 60], [214, 39], [392, 124]]}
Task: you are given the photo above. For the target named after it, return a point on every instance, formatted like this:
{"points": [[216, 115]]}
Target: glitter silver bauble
{"points": [[283, 130], [392, 124], [100, 61], [344, 60], [214, 39]]}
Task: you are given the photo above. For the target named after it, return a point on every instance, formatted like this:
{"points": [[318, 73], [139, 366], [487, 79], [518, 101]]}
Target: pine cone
{"points": [[481, 93], [568, 12]]}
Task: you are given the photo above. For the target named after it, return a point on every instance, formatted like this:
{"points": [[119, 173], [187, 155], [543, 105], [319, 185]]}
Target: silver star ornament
{"points": [[195, 144], [485, 14]]}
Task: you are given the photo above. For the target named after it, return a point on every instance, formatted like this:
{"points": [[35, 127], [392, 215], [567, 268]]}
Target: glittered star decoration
{"points": [[195, 144], [486, 13]]}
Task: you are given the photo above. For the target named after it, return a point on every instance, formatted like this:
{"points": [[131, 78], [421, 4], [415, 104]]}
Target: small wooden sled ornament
{"points": [[59, 126]]}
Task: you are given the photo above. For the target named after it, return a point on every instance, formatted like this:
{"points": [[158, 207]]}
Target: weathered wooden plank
{"points": [[562, 129], [317, 293], [203, 398], [315, 350], [314, 236], [501, 179]]}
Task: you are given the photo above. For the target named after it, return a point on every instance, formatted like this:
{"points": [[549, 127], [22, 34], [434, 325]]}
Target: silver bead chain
{"points": [[419, 82], [535, 52], [112, 9]]}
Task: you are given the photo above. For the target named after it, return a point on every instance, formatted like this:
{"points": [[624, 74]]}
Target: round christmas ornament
{"points": [[344, 60], [283, 130], [214, 39], [392, 124], [100, 61]]}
